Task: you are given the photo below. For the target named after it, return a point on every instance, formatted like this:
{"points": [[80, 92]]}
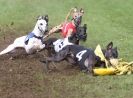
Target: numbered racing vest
{"points": [[81, 53], [60, 44]]}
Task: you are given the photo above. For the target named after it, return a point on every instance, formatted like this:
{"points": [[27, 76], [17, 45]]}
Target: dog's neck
{"points": [[37, 32]]}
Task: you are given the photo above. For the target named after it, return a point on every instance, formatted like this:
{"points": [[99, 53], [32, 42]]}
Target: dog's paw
{"points": [[11, 58]]}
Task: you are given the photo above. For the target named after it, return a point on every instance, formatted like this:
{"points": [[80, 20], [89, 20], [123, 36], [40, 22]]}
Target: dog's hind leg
{"points": [[8, 49], [17, 43], [89, 64]]}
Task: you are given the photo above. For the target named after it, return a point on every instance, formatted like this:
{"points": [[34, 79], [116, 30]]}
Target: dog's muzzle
{"points": [[82, 37]]}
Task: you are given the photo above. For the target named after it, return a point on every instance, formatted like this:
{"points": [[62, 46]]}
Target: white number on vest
{"points": [[58, 45], [80, 54]]}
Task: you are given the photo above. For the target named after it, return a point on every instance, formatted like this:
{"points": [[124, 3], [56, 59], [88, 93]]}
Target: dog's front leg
{"points": [[29, 48], [42, 46]]}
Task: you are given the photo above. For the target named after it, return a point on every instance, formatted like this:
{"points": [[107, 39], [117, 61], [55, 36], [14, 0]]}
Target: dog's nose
{"points": [[46, 30]]}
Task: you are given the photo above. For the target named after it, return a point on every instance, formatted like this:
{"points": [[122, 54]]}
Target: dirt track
{"points": [[25, 77]]}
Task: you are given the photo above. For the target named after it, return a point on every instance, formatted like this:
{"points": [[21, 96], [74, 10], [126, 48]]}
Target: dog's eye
{"points": [[41, 24]]}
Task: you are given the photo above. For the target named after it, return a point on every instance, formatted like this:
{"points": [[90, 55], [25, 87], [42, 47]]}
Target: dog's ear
{"points": [[81, 11], [43, 17], [46, 18], [75, 9], [109, 46], [39, 17]]}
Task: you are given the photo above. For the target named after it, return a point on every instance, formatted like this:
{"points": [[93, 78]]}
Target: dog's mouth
{"points": [[46, 30], [83, 37]]}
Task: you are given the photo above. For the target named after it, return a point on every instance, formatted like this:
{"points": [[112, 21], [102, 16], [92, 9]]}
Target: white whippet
{"points": [[33, 41]]}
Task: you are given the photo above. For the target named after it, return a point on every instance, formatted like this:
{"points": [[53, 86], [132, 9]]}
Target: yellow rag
{"points": [[98, 52]]}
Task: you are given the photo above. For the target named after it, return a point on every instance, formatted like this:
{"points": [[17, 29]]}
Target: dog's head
{"points": [[81, 32], [110, 52], [42, 23]]}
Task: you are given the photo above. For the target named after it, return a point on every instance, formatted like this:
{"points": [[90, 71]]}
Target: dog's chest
{"points": [[36, 42]]}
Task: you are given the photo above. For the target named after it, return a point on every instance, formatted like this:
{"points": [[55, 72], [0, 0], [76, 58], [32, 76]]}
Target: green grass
{"points": [[107, 20], [85, 86]]}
